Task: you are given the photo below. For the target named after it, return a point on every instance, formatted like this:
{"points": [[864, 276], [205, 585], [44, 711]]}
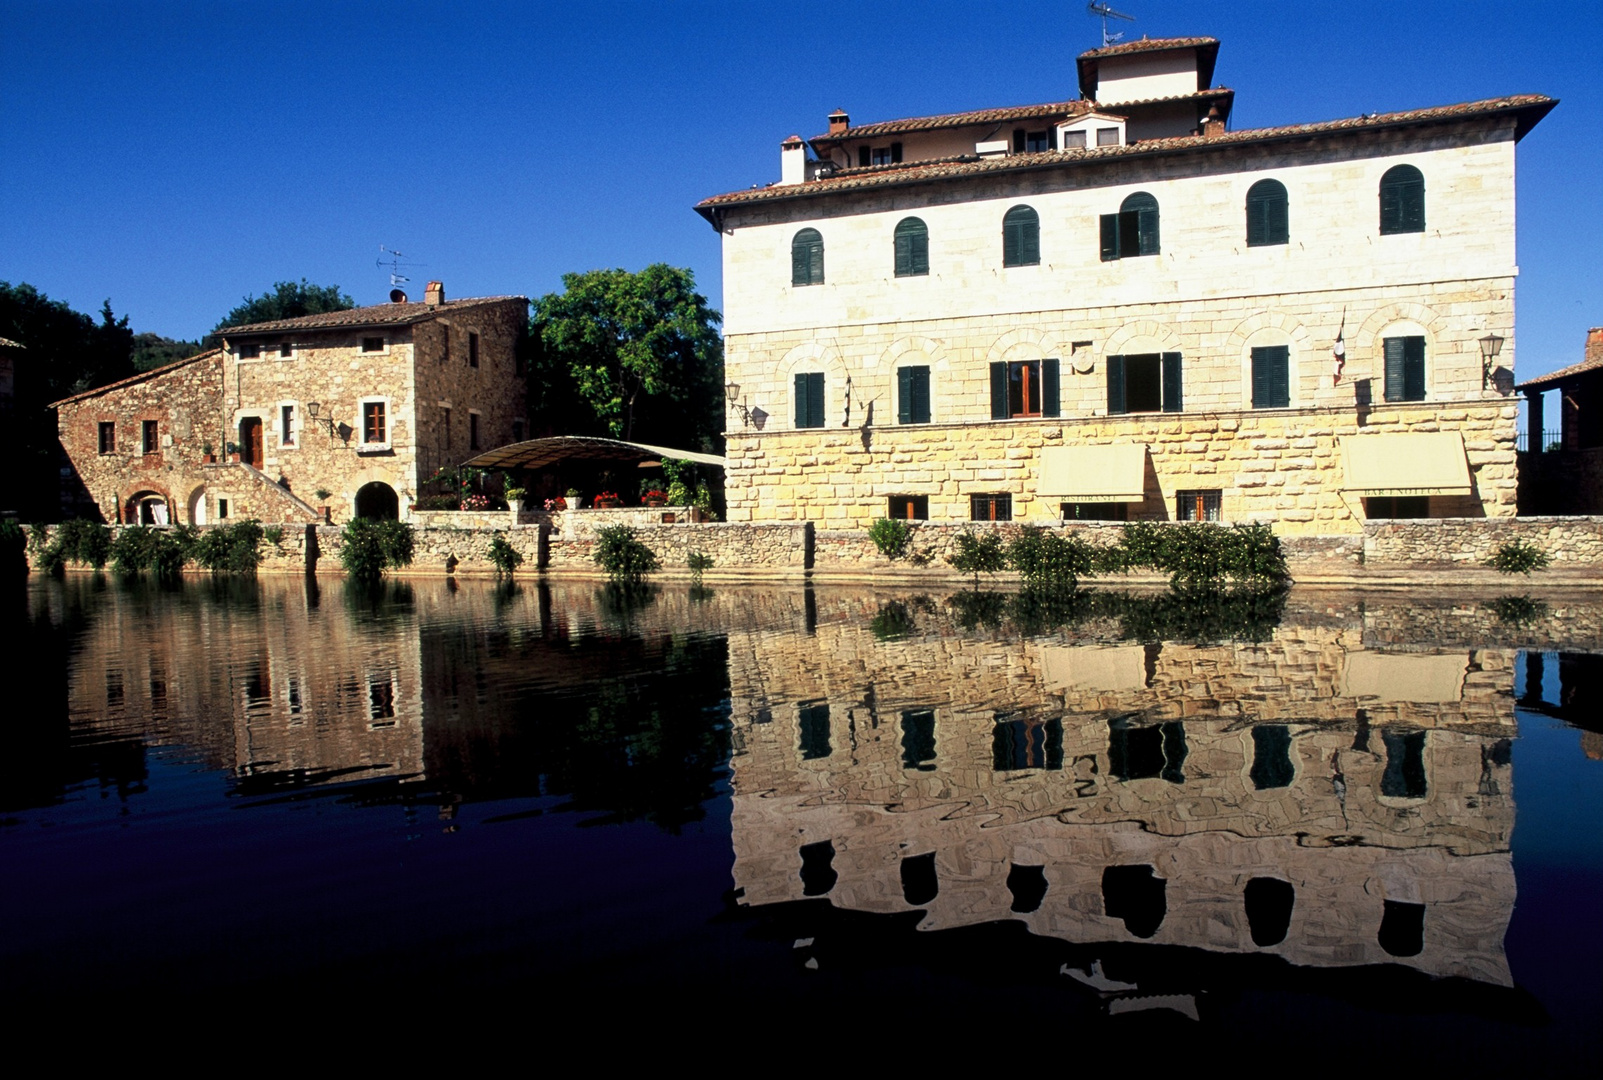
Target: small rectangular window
{"points": [[250, 352], [1074, 140], [1036, 142], [1108, 136], [813, 722], [108, 436], [372, 344], [1271, 382], [286, 350], [375, 422], [1379, 507], [881, 155], [286, 425], [909, 507], [1197, 505], [473, 431], [473, 350], [149, 436], [1080, 511], [996, 507], [810, 399], [1405, 368], [1024, 388], [913, 394], [445, 426], [222, 508]]}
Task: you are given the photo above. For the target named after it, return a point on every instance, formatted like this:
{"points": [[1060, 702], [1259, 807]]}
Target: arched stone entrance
{"points": [[148, 508], [197, 506], [377, 500]]}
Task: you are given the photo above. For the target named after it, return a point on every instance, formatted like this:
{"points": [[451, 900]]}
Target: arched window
{"points": [[1402, 200], [1133, 230], [912, 248], [807, 258], [1267, 220], [1021, 237]]}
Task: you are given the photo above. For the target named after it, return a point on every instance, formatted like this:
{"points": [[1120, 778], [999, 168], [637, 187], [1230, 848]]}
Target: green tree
{"points": [[288, 300], [639, 354], [154, 351]]}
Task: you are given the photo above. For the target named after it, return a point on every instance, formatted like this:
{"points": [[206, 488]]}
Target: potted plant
{"points": [[208, 454], [233, 452], [327, 511], [654, 497], [575, 500], [608, 500]]}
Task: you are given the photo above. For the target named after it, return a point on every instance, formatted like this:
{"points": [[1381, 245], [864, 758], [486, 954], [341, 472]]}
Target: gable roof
{"points": [[143, 376], [1593, 362], [403, 314], [1525, 109]]}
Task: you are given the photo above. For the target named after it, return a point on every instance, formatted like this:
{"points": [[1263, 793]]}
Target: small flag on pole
{"points": [[1339, 349]]}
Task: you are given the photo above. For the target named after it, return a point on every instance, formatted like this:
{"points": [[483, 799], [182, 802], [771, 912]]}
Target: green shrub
{"points": [[505, 557], [230, 549], [893, 622], [134, 550], [85, 542], [1518, 557], [1199, 553], [38, 538], [698, 562], [622, 554], [891, 536], [978, 553], [273, 534], [1518, 610], [368, 547], [1050, 558]]}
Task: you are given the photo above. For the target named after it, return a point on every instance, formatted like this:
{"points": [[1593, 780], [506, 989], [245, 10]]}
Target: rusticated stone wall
{"points": [[1567, 540]]}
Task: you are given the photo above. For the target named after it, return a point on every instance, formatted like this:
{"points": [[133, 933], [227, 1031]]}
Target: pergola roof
{"points": [[539, 453]]}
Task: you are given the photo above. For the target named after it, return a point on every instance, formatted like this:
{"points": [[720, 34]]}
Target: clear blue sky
{"points": [[175, 157]]}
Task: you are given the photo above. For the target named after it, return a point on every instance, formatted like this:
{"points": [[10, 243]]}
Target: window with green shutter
{"points": [[1149, 382], [1271, 378], [912, 248], [1405, 368], [1268, 221], [810, 399], [913, 394], [1025, 388], [807, 258], [1402, 200], [1133, 231], [1021, 237]]}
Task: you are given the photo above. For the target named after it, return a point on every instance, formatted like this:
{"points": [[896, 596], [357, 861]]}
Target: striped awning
{"points": [[1094, 474], [1411, 463], [552, 450]]}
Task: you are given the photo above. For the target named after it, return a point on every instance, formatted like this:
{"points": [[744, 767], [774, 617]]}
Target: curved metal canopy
{"points": [[554, 449]]}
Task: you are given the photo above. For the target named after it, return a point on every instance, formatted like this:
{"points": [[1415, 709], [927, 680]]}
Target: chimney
{"points": [[1594, 344], [1212, 125], [792, 160], [839, 122], [434, 294]]}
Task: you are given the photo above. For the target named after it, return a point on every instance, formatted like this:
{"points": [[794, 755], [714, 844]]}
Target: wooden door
{"points": [[250, 441]]}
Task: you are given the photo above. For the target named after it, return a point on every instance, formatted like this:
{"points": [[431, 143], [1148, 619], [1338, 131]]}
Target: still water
{"points": [[1290, 821]]}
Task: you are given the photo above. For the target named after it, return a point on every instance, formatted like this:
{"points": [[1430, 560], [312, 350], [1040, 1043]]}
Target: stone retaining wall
{"points": [[1437, 541]]}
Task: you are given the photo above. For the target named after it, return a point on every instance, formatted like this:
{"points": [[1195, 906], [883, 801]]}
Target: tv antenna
{"points": [[1107, 13], [394, 260]]}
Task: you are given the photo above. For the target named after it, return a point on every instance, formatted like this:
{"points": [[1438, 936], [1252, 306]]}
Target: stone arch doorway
{"points": [[377, 500], [250, 441], [148, 508], [197, 506]]}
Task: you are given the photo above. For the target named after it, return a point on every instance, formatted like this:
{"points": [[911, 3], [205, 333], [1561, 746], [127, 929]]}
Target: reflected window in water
{"points": [[1026, 744], [1402, 928], [813, 722], [1028, 886], [1138, 753], [918, 739], [381, 699], [818, 868], [1269, 902], [919, 883], [1404, 777], [1134, 894], [1271, 757]]}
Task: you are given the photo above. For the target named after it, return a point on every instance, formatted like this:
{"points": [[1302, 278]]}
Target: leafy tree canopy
{"points": [[630, 355], [288, 300], [154, 351]]}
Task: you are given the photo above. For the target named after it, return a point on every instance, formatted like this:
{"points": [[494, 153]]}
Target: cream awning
{"points": [[1094, 473], [1416, 677], [1416, 463]]}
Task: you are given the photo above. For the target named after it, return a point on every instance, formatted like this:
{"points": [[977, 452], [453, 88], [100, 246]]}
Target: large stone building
{"points": [[1115, 307], [365, 404]]}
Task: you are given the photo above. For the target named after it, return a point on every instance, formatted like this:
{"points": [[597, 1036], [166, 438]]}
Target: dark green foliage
{"points": [[273, 534], [1199, 553], [230, 549], [979, 609], [1518, 557], [1189, 615], [85, 542], [288, 300], [1051, 558], [698, 562], [978, 553], [505, 557], [439, 502], [891, 536], [1518, 610], [369, 547], [622, 554], [631, 356], [134, 549], [892, 622], [153, 351]]}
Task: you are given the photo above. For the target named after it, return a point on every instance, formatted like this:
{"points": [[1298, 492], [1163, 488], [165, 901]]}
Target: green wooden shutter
{"points": [[801, 402], [1413, 206], [1110, 237], [798, 263], [815, 399], [1032, 241], [1413, 369], [904, 254], [1391, 209], [1148, 229], [1279, 220], [921, 251], [1394, 368], [815, 263], [904, 395], [1115, 385], [1012, 242], [921, 394], [1021, 237], [1050, 399], [998, 390], [1172, 400], [1271, 386]]}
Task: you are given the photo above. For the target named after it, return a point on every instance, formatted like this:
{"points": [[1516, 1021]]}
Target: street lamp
{"points": [[733, 390], [312, 408], [1491, 345]]}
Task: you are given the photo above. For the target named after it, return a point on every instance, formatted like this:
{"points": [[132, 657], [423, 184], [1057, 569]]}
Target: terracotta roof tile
{"points": [[1125, 48], [1593, 362], [1528, 108], [209, 354], [372, 315]]}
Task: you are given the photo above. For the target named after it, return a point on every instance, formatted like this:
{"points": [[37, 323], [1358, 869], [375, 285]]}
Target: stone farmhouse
{"points": [[365, 404], [1115, 307]]}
